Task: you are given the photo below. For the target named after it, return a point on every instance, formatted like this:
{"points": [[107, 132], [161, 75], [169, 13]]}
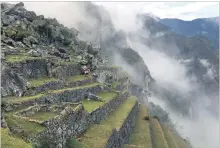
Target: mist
{"points": [[169, 72]]}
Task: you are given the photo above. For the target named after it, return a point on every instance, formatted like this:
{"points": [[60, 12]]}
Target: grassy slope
{"points": [[8, 141], [172, 143], [140, 137], [158, 138]]}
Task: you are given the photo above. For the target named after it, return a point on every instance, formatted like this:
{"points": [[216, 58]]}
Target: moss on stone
{"points": [[91, 105], [140, 136], [40, 81], [98, 134], [8, 141], [158, 138]]}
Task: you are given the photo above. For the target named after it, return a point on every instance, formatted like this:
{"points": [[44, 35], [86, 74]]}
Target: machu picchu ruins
{"points": [[58, 91]]}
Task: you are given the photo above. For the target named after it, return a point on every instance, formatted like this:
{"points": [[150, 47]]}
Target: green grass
{"points": [[19, 58], [91, 105], [8, 141], [98, 134], [79, 78], [74, 88], [140, 136], [158, 138], [40, 81], [43, 116], [172, 143], [22, 99], [29, 128], [73, 143]]}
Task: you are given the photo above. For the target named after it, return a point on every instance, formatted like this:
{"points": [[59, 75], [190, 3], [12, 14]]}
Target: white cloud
{"points": [[181, 10]]}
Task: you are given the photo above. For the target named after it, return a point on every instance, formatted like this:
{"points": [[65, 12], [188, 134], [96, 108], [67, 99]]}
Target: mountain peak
{"points": [[152, 16]]}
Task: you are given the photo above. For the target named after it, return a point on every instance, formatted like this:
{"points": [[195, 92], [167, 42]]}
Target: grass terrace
{"points": [[158, 139], [23, 99], [19, 58], [74, 88], [91, 105], [98, 134], [27, 98], [40, 81], [79, 78], [9, 141], [26, 126], [43, 116], [140, 136], [172, 143]]}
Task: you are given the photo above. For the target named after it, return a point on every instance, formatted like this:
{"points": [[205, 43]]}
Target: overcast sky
{"points": [[181, 10]]}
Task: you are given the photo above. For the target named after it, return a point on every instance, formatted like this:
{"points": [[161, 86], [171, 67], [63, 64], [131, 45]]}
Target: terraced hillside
{"points": [[58, 91]]}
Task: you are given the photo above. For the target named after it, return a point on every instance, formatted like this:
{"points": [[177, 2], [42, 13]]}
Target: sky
{"points": [[180, 10]]}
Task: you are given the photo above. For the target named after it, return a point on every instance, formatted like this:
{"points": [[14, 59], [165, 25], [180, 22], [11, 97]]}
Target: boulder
{"points": [[7, 20], [12, 83], [34, 53]]}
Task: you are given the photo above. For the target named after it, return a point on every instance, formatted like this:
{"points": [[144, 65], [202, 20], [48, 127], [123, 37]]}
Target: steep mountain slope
{"points": [[206, 27], [193, 53]]}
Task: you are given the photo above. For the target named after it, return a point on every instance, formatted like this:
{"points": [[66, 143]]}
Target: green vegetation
{"points": [[74, 88], [43, 116], [28, 127], [8, 141], [172, 143], [140, 137], [40, 81], [158, 138], [91, 105], [98, 134], [79, 78], [27, 98], [73, 143], [19, 58], [22, 99]]}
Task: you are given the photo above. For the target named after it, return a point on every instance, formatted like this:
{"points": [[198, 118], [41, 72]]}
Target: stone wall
{"points": [[59, 129], [63, 71], [55, 85], [45, 87], [100, 113], [54, 98], [74, 122], [33, 68], [121, 136]]}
